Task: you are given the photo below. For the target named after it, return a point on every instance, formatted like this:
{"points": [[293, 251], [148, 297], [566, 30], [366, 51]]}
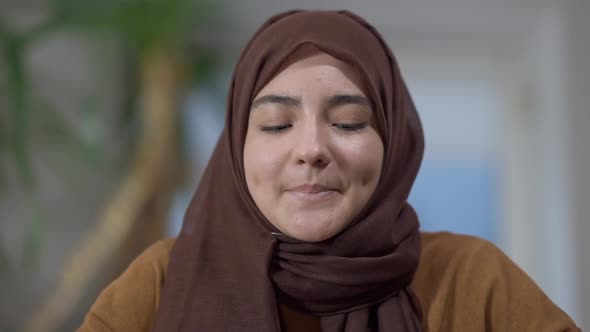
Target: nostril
{"points": [[320, 163], [315, 163]]}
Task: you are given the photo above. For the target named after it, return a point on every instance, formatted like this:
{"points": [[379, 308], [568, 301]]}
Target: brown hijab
{"points": [[230, 267]]}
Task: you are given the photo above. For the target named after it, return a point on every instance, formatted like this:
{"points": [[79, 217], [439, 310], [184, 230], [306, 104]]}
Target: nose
{"points": [[311, 146]]}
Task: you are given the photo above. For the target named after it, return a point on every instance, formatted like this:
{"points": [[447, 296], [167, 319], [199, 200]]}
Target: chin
{"points": [[310, 237], [311, 231]]}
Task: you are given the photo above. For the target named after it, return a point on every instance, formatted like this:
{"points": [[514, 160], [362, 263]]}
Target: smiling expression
{"points": [[312, 153]]}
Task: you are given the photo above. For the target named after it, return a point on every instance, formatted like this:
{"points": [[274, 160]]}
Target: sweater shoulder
{"points": [[448, 257], [446, 247], [158, 254], [465, 281], [130, 302]]}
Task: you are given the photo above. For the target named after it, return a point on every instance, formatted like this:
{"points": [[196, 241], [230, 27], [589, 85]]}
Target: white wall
{"points": [[579, 135]]}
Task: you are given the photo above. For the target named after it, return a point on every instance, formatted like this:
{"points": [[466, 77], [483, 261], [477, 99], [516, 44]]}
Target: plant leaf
{"points": [[58, 132], [144, 23], [17, 86]]}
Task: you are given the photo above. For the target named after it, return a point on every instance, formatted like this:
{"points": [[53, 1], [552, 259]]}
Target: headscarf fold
{"points": [[230, 267]]}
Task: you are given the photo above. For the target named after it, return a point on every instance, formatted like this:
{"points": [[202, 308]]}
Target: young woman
{"points": [[301, 220]]}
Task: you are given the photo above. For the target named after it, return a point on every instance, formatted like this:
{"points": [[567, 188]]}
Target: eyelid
{"points": [[275, 129], [350, 127]]}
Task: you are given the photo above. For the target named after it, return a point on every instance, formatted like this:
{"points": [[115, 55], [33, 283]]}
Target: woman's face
{"points": [[312, 154]]}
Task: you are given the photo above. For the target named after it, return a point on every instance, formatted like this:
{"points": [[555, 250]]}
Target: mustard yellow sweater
{"points": [[464, 284]]}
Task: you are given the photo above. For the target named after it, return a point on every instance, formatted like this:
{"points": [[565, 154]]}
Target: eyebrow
{"points": [[332, 101], [339, 100], [277, 99]]}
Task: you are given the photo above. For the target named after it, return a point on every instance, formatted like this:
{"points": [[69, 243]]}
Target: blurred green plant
{"points": [[139, 25]]}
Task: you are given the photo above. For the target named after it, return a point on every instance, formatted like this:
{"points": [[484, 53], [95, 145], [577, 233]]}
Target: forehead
{"points": [[310, 66]]}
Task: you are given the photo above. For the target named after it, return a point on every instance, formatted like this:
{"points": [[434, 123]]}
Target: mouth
{"points": [[313, 192]]}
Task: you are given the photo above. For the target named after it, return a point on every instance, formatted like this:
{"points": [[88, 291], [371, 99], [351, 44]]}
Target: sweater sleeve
{"points": [[468, 284], [130, 302]]}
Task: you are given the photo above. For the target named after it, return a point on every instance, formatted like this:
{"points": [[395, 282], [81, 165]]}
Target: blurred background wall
{"points": [[108, 113]]}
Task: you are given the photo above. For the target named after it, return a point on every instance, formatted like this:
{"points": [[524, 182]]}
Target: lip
{"points": [[311, 189], [313, 193]]}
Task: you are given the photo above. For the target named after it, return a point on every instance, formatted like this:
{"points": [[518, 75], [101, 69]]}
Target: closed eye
{"points": [[351, 127], [275, 129]]}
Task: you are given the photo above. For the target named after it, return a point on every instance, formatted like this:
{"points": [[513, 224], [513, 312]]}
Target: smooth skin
{"points": [[312, 153]]}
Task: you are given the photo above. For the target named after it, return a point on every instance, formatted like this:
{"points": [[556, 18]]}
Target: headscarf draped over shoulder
{"points": [[229, 269]]}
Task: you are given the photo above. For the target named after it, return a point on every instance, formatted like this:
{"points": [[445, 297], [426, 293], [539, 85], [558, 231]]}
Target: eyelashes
{"points": [[345, 127], [350, 127], [275, 129]]}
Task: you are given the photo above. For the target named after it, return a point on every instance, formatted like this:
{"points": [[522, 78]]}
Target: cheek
{"points": [[262, 162], [365, 158]]}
